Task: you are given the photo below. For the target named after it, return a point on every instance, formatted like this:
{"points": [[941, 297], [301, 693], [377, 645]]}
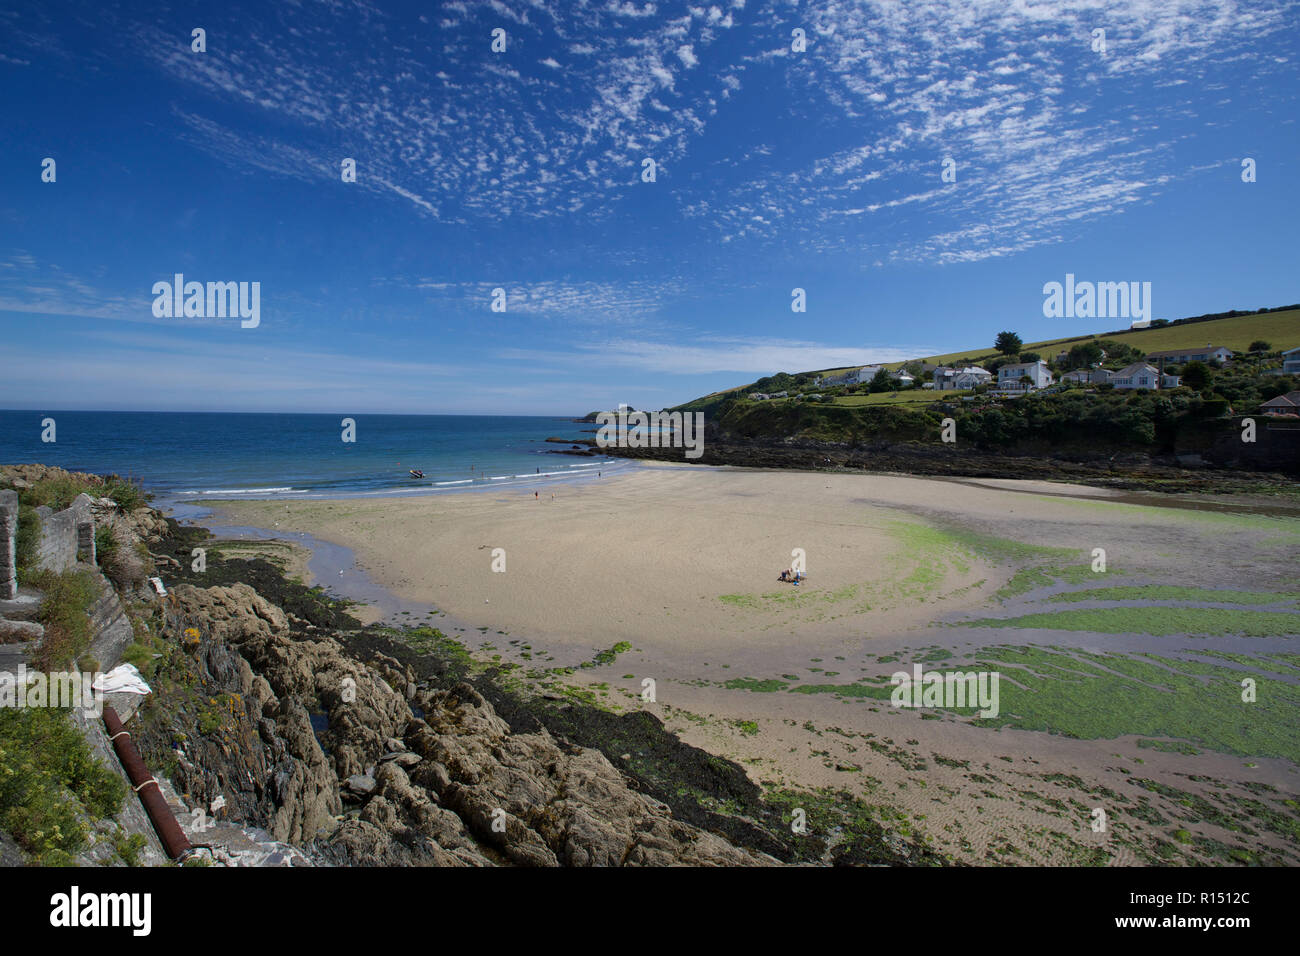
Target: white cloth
{"points": [[123, 679]]}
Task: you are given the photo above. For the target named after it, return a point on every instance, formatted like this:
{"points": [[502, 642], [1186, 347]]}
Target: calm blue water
{"points": [[188, 457]]}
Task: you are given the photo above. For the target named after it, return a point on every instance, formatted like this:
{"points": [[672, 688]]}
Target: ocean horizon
{"points": [[185, 458]]}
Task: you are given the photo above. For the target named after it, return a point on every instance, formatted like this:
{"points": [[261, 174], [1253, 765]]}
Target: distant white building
{"points": [[1291, 361], [1137, 375], [1210, 353], [1088, 376], [759, 396], [853, 376], [947, 379], [1039, 375]]}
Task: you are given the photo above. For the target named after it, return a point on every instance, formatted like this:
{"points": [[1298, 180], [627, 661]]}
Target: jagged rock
{"points": [[477, 793], [147, 525], [31, 474], [361, 784]]}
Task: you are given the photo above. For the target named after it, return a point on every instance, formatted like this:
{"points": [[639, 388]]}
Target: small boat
{"points": [[416, 474]]}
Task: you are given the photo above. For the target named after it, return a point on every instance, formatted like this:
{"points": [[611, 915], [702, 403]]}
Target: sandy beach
{"points": [[675, 570]]}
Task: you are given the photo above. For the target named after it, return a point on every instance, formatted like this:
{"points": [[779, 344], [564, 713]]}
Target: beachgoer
{"points": [[534, 494]]}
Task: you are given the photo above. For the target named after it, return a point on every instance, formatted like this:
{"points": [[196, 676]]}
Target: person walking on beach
{"points": [[534, 494]]}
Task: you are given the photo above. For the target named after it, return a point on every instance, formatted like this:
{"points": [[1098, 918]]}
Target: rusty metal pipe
{"points": [[146, 787]]}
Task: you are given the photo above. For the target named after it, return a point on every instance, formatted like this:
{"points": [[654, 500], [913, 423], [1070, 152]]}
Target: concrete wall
{"points": [[67, 537], [8, 533]]}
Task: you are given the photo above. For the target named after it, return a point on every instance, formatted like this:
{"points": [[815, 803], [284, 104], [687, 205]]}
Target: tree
{"points": [[1008, 343], [1196, 375], [881, 382], [1084, 355], [1259, 345], [1030, 357]]}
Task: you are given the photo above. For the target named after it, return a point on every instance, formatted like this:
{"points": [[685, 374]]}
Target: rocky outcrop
{"points": [[395, 772]]}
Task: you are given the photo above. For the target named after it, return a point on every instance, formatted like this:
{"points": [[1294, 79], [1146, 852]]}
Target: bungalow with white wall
{"points": [[1291, 361], [1137, 375], [1211, 353], [1089, 376]]}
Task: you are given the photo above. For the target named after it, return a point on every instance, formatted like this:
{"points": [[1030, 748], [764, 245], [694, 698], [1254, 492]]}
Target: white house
{"points": [[1137, 375], [1291, 361], [947, 379], [1040, 376], [971, 376], [853, 376], [1092, 376], [1211, 353], [759, 396]]}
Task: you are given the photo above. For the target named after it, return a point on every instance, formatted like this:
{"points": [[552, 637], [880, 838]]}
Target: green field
{"points": [[1280, 329]]}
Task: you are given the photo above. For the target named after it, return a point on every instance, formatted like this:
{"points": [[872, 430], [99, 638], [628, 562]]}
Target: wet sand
{"points": [[681, 564]]}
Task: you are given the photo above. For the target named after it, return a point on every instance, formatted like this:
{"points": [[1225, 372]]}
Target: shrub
{"points": [[43, 759], [105, 544], [128, 494], [64, 612], [26, 541], [120, 561]]}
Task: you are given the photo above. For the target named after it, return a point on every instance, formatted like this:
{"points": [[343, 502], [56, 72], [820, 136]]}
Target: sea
{"points": [[184, 458]]}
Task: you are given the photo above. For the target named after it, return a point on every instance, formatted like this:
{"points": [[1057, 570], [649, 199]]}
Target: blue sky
{"points": [[777, 169]]}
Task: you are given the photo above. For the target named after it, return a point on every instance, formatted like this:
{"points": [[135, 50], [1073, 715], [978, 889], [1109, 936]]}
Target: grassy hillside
{"points": [[1280, 329]]}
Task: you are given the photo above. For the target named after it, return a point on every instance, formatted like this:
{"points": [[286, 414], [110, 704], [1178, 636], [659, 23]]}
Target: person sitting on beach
{"points": [[785, 575]]}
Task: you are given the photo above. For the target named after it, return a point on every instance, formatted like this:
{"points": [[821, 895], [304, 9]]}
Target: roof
{"points": [[1188, 351], [1136, 367], [1290, 398]]}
